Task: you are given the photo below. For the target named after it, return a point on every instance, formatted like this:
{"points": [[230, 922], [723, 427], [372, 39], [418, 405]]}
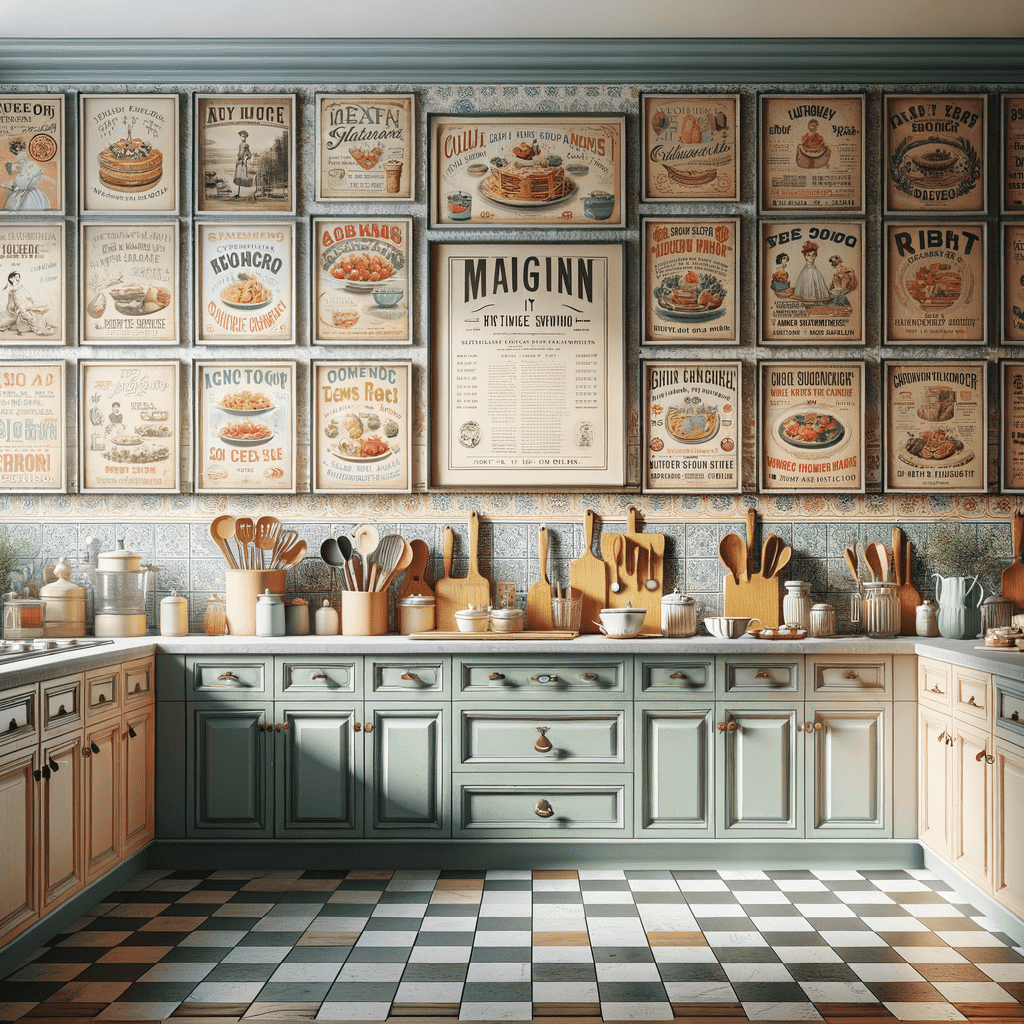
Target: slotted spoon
{"points": [[268, 529], [245, 531]]}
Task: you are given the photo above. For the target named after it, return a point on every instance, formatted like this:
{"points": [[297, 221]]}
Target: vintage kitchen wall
{"points": [[171, 530]]}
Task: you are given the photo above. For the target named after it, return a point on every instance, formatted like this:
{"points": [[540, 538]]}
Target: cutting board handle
{"points": [[474, 540], [588, 531], [448, 551], [542, 553], [1017, 526]]}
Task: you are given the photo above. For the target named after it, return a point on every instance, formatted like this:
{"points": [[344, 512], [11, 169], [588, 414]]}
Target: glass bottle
{"points": [[216, 622]]}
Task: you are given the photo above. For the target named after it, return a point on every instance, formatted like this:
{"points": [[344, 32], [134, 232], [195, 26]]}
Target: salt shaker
{"points": [[325, 622], [269, 614]]}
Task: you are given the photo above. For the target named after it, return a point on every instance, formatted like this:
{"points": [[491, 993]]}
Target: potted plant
{"points": [[962, 558]]}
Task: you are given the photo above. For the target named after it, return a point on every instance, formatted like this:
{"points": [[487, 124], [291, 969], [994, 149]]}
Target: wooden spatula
{"points": [[538, 598], [415, 582]]}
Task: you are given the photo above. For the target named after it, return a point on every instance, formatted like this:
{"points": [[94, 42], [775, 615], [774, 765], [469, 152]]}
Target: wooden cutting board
{"points": [[415, 583], [588, 577], [538, 597], [754, 595], [444, 588], [906, 593], [643, 558], [1012, 585]]}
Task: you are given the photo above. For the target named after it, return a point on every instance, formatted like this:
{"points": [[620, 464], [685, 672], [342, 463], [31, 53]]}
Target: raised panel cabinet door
{"points": [[972, 803], [62, 816], [101, 752], [674, 758], [316, 778], [229, 765], [19, 842], [138, 816], [846, 750], [407, 767], [760, 777], [1008, 798], [935, 780]]}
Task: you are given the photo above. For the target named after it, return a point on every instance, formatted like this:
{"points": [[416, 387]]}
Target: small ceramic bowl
{"points": [[473, 620], [507, 620], [598, 205], [387, 296], [460, 206], [621, 623], [729, 627]]}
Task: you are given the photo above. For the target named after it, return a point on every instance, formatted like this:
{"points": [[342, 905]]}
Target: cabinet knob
{"points": [[227, 675], [543, 745], [62, 710], [367, 727], [949, 741], [544, 678], [495, 675], [86, 752], [93, 746], [357, 726], [721, 727], [989, 759], [850, 675], [54, 766], [985, 756], [1015, 717], [277, 726], [138, 688], [102, 699], [131, 733], [732, 726], [589, 676], [941, 736], [37, 775], [808, 726], [762, 675], [13, 726], [543, 809], [679, 675], [799, 726], [970, 700], [45, 771]]}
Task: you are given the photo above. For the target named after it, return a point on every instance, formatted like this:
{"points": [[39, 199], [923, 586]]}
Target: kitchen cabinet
{"points": [[20, 899], [971, 833], [1008, 825], [935, 780]]}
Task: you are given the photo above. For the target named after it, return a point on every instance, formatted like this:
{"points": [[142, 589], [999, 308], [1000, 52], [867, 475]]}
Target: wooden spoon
{"points": [[748, 560], [389, 550], [268, 529], [897, 555], [770, 551], [873, 563], [850, 556], [292, 556], [882, 554], [221, 529], [785, 554], [245, 531], [732, 553]]}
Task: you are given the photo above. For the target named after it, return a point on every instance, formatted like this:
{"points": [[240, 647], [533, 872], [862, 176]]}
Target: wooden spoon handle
{"points": [[542, 553], [751, 523], [474, 540], [448, 550], [1017, 527]]}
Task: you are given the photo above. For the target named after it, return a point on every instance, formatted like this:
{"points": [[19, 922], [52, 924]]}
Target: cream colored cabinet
{"points": [[1008, 825], [935, 780], [971, 832]]}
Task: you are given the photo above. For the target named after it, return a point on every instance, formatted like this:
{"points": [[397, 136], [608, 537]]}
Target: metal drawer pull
{"points": [[102, 699], [989, 759], [37, 775], [410, 677], [970, 700], [54, 766], [62, 710], [318, 675], [228, 675], [543, 809], [941, 736], [679, 675], [1015, 717], [850, 675], [13, 725], [589, 676], [368, 727], [93, 747], [495, 675], [762, 675], [934, 689], [45, 771], [543, 745], [544, 678], [949, 741], [138, 688], [131, 733], [357, 726]]}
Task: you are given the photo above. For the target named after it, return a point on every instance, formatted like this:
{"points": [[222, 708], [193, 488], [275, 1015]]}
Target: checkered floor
{"points": [[837, 945]]}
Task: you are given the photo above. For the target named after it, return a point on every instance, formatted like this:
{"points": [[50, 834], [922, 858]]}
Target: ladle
{"points": [[221, 529], [330, 552], [245, 531], [345, 546], [732, 552]]}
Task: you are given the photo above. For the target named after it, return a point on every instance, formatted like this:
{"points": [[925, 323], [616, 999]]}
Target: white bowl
{"points": [[729, 627], [621, 622]]}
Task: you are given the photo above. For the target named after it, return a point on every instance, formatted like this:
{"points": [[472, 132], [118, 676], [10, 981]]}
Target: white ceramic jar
{"points": [[823, 620], [326, 622], [269, 614], [416, 614], [796, 605], [679, 614], [173, 615]]}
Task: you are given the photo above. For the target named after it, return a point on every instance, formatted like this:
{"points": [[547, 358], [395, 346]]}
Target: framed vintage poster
{"points": [[245, 154], [496, 170], [693, 427], [811, 154], [936, 425], [528, 365], [362, 285], [812, 282], [128, 275], [128, 153], [1011, 462], [690, 147], [32, 283], [32, 428], [32, 153], [245, 283], [1011, 191], [365, 146], [361, 428], [129, 425], [934, 153], [690, 271], [1013, 283], [244, 422], [936, 283], [811, 427]]}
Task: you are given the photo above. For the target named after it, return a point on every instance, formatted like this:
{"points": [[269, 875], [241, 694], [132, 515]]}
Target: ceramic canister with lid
{"points": [[64, 611], [796, 605], [269, 614], [679, 614], [173, 615], [121, 584], [823, 620], [326, 621], [296, 617], [416, 614]]}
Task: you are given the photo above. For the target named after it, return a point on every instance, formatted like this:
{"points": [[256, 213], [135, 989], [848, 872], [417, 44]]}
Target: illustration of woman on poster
{"points": [[21, 313], [810, 283], [242, 177], [24, 181], [780, 277]]}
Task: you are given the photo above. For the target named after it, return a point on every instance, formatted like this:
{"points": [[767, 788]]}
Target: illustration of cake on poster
{"points": [[245, 154], [129, 153], [31, 153], [31, 283]]}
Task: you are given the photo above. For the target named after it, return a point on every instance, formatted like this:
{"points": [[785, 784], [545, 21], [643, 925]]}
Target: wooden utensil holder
{"points": [[364, 613], [241, 590]]}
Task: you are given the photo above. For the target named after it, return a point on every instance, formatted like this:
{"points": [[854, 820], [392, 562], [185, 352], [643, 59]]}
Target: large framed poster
{"points": [[1011, 191], [245, 283], [811, 287], [1013, 283], [362, 285], [365, 146], [811, 427], [693, 419], [129, 426], [690, 270], [811, 154], [128, 153], [935, 153], [128, 274], [528, 371], [34, 289], [936, 283], [690, 147], [244, 421], [361, 428], [495, 170], [32, 428], [245, 154], [1011, 462], [32, 153], [936, 425]]}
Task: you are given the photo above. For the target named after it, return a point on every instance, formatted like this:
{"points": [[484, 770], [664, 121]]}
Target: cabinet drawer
{"points": [[138, 681], [508, 737], [19, 717], [934, 683], [675, 678], [62, 704], [535, 805], [215, 678], [972, 696], [311, 676], [406, 678], [546, 678], [102, 693], [757, 677], [849, 677], [1009, 710]]}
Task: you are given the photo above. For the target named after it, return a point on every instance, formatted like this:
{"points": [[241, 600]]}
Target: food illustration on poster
{"points": [[31, 154], [31, 283]]}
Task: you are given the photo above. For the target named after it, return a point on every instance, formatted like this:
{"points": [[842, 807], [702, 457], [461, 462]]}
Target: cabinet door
{"points": [[846, 751], [62, 815], [972, 803], [1009, 826], [102, 755], [407, 767], [674, 757], [19, 841], [138, 819], [759, 775], [316, 779], [229, 766], [935, 780]]}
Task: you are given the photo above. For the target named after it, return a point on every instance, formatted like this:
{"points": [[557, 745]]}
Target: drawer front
{"points": [[102, 693], [312, 677], [138, 681], [934, 683], [757, 677], [677, 678], [62, 704], [849, 678], [217, 678], [972, 696], [405, 679], [19, 717], [1009, 710], [568, 740], [544, 678], [535, 805]]}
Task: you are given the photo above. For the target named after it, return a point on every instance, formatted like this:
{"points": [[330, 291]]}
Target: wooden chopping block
{"points": [[444, 588], [588, 577], [415, 583], [760, 598], [1012, 586], [643, 556], [538, 598], [471, 589]]}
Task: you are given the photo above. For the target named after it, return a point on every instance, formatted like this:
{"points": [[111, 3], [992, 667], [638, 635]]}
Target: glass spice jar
{"points": [[215, 620]]}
